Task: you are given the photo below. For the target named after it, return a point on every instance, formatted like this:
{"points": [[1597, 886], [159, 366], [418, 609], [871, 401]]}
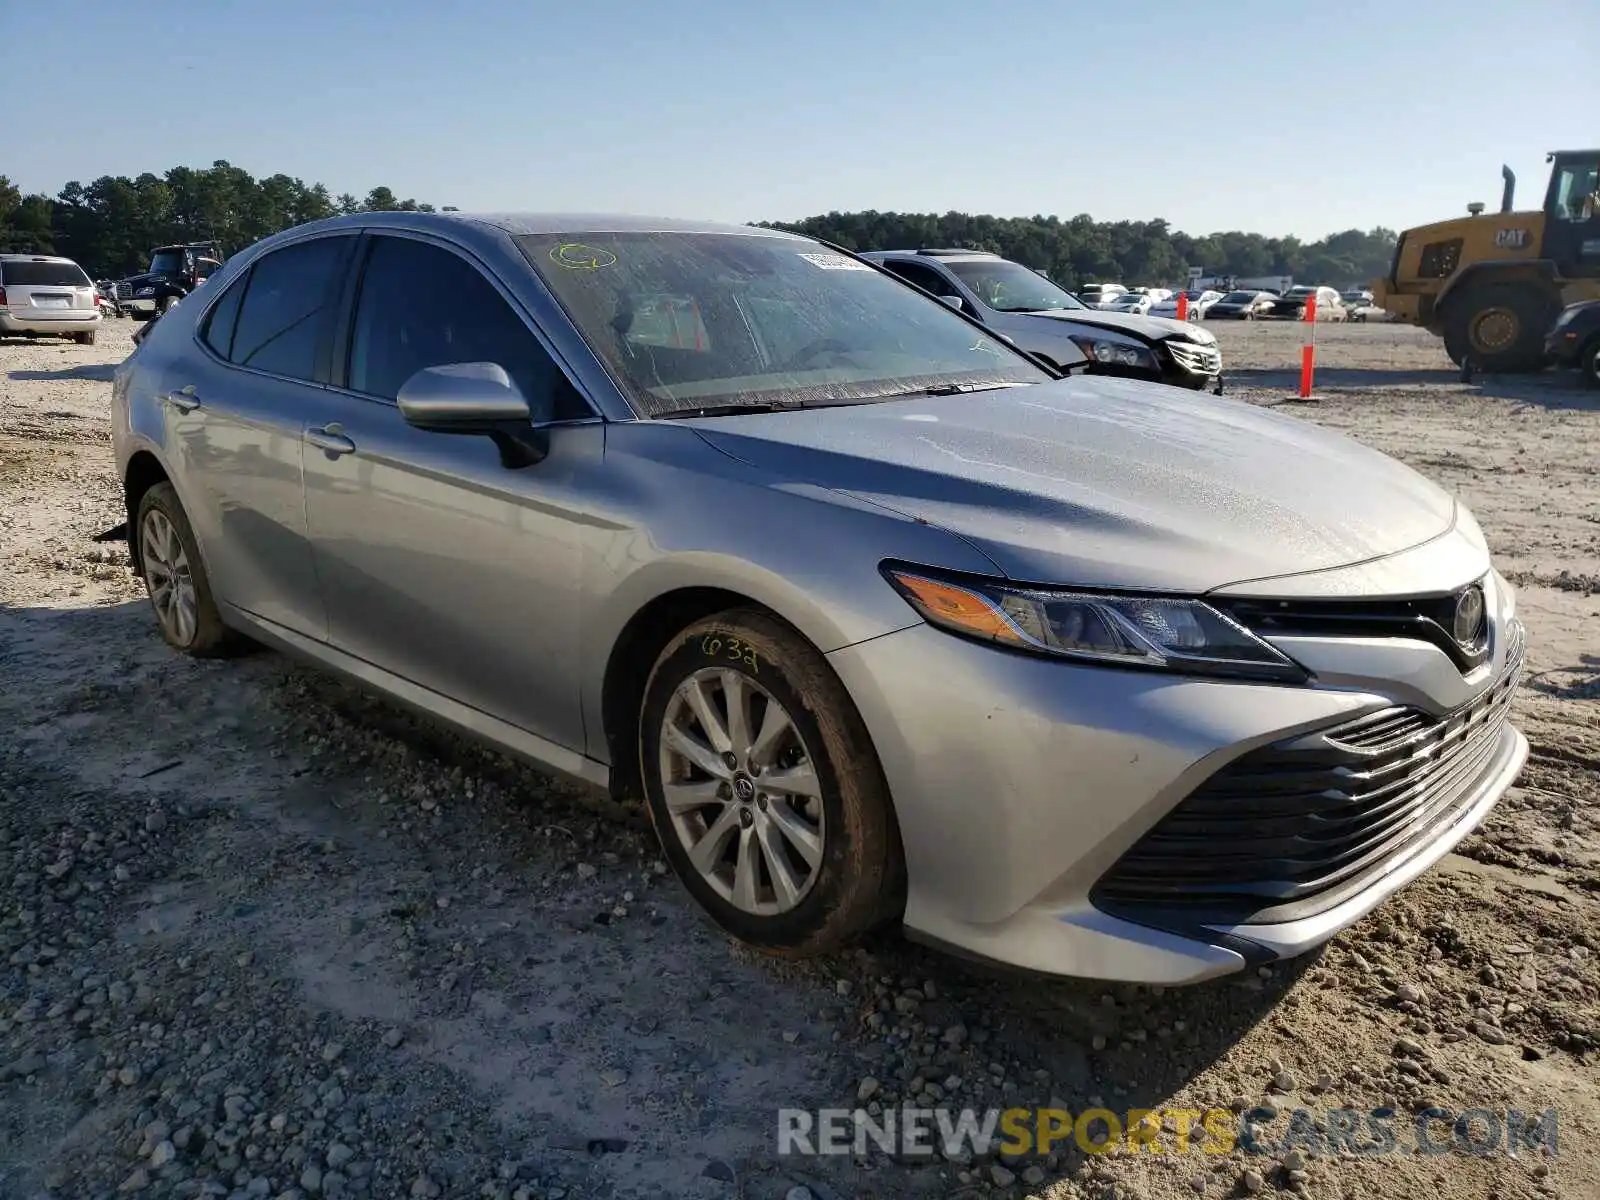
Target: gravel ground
{"points": [[264, 936]]}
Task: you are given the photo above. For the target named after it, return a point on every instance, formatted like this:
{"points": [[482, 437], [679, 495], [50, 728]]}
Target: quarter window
{"points": [[925, 278], [424, 306], [218, 333], [287, 306]]}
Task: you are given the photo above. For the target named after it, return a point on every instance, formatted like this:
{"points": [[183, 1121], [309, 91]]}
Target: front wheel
{"points": [[1591, 365], [1500, 326], [168, 303], [764, 788]]}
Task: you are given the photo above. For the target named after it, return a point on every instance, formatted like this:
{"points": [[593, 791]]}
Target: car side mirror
{"points": [[477, 398], [954, 301]]}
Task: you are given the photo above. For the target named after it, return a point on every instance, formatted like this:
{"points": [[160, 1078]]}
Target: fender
{"points": [[1515, 270]]}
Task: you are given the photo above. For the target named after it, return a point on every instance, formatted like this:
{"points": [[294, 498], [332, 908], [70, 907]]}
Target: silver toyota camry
{"points": [[884, 621]]}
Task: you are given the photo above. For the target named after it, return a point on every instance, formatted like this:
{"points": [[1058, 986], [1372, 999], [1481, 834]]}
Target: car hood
{"points": [[146, 279], [1152, 329], [1105, 482]]}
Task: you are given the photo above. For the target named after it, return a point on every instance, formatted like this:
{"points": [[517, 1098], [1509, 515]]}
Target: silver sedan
{"points": [[884, 621]]}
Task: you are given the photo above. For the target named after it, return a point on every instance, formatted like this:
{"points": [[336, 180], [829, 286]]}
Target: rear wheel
{"points": [[180, 590], [1591, 364], [86, 338], [764, 788], [1500, 326]]}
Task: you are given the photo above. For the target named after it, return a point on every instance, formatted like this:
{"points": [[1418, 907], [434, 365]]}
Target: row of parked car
{"points": [[1247, 304]]}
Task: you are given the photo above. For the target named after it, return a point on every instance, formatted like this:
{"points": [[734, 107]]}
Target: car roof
{"points": [[36, 258], [519, 223], [935, 256]]}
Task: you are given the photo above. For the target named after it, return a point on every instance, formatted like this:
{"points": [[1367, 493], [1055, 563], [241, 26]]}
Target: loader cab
{"points": [[1572, 213]]}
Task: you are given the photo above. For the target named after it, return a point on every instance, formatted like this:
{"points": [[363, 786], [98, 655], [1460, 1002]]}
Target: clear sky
{"points": [[1277, 116]]}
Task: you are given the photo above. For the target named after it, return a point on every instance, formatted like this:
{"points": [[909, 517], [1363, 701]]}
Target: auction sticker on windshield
{"points": [[835, 262]]}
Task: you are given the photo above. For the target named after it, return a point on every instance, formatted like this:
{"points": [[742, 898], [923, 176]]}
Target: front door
{"points": [[1572, 217], [235, 420], [437, 563]]}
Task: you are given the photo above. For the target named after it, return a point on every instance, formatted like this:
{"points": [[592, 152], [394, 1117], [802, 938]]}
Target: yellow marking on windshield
{"points": [[575, 256]]}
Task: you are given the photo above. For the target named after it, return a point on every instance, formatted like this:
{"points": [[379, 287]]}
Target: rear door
{"points": [[236, 407], [42, 289]]}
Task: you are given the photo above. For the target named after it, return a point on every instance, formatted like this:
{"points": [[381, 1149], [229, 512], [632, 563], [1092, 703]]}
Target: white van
{"points": [[41, 293]]}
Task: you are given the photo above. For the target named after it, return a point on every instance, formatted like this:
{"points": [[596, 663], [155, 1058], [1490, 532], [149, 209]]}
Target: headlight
{"points": [[1188, 636], [1114, 353]]}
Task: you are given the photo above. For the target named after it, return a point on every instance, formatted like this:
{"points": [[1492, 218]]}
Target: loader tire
{"points": [[1500, 326]]}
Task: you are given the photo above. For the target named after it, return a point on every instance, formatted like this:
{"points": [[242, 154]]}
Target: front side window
{"points": [[424, 306], [776, 321], [1011, 287], [925, 278], [287, 305], [167, 262]]}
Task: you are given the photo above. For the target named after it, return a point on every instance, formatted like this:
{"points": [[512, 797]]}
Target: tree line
{"points": [[110, 225]]}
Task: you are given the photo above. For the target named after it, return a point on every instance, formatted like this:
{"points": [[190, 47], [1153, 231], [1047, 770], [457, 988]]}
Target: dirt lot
{"points": [[262, 936]]}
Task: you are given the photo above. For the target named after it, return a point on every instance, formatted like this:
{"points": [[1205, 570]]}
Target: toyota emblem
{"points": [[1468, 629]]}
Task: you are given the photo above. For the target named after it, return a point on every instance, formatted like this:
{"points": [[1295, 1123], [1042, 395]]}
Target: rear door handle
{"points": [[330, 437], [183, 399]]}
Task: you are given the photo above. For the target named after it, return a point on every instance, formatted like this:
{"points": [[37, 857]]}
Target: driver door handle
{"points": [[183, 399], [330, 437]]}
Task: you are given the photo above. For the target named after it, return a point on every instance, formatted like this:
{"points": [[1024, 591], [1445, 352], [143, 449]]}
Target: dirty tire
{"points": [[1521, 311], [86, 338], [860, 880], [168, 303], [210, 638], [1591, 364]]}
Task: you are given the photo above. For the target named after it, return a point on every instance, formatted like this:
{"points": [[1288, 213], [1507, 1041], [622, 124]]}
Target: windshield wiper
{"points": [[759, 406], [951, 389]]}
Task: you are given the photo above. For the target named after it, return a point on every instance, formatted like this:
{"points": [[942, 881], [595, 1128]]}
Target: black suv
{"points": [[174, 272], [1040, 317], [1574, 340]]}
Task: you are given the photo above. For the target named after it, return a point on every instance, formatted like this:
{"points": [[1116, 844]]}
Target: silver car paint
{"points": [[493, 599]]}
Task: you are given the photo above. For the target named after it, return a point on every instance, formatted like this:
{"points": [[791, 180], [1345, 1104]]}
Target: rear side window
{"points": [[423, 306], [286, 308], [218, 333], [43, 274], [925, 278]]}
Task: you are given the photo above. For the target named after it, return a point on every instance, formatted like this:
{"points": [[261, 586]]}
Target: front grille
{"points": [[1293, 828], [122, 291], [1430, 619], [1201, 360]]}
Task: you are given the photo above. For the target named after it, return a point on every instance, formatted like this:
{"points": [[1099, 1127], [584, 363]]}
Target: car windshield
{"points": [[687, 321], [166, 262], [1298, 293], [1237, 298], [42, 274], [1011, 287]]}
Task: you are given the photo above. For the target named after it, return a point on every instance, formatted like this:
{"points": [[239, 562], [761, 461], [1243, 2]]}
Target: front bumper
{"points": [[1021, 783], [1564, 348]]}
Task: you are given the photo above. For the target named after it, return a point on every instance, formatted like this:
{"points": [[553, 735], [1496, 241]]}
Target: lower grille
{"points": [[1293, 828], [1202, 360]]}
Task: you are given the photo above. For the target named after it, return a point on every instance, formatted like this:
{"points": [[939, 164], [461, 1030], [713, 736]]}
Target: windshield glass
{"points": [[167, 262], [1012, 287], [42, 274], [693, 320], [1237, 298]]}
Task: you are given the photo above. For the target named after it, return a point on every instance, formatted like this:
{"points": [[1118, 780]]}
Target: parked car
{"points": [[1364, 310], [46, 294], [1241, 306], [1292, 304], [1043, 319], [1355, 297], [1100, 295], [758, 557], [1137, 303], [1573, 342], [1200, 302]]}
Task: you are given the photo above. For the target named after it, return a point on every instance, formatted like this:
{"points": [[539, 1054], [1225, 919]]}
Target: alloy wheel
{"points": [[168, 576], [742, 791]]}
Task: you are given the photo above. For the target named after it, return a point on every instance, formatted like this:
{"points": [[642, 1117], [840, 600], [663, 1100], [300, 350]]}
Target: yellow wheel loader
{"points": [[1492, 285]]}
